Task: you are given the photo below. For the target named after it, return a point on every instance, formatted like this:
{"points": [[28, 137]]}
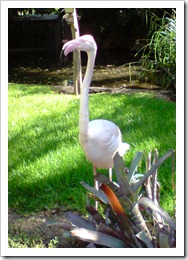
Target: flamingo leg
{"points": [[96, 186], [110, 174]]}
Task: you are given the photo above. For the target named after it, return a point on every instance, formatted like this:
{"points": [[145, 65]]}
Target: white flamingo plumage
{"points": [[100, 139]]}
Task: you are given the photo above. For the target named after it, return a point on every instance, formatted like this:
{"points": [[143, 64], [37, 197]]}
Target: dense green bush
{"points": [[159, 54]]}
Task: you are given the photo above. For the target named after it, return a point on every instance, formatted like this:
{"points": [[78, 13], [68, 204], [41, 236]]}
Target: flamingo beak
{"points": [[70, 46]]}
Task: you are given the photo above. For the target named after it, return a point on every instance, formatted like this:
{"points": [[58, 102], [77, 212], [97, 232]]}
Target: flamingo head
{"points": [[83, 43]]}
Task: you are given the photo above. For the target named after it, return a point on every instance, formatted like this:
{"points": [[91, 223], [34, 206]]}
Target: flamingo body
{"points": [[100, 139], [102, 142]]}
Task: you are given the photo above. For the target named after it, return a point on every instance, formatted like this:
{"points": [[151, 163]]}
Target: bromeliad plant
{"points": [[131, 216]]}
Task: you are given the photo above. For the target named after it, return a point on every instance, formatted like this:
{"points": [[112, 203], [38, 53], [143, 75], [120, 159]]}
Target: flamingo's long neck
{"points": [[84, 108]]}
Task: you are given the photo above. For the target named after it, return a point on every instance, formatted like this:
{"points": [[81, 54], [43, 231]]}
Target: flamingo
{"points": [[100, 139]]}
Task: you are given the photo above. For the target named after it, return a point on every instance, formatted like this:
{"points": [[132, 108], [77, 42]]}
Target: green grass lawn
{"points": [[46, 163]]}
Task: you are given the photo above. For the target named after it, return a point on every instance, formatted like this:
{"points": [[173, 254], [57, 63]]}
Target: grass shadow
{"points": [[44, 155]]}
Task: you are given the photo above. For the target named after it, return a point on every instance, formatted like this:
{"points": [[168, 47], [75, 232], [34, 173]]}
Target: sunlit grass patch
{"points": [[46, 163]]}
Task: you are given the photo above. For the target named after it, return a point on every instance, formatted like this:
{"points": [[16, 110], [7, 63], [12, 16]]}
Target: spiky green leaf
{"points": [[97, 238], [163, 240], [149, 203], [62, 225], [119, 165], [142, 236], [95, 214], [152, 170], [122, 217], [79, 221], [97, 193], [135, 162]]}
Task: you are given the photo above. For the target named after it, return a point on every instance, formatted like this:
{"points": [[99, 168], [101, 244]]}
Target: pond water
{"points": [[47, 70], [116, 74]]}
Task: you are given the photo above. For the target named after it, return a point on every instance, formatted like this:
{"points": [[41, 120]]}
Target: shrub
{"points": [[130, 215], [159, 54]]}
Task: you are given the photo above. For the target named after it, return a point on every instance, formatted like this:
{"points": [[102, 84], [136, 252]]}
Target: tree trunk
{"points": [[77, 72]]}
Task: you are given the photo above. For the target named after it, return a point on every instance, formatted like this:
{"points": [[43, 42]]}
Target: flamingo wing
{"points": [[102, 142]]}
